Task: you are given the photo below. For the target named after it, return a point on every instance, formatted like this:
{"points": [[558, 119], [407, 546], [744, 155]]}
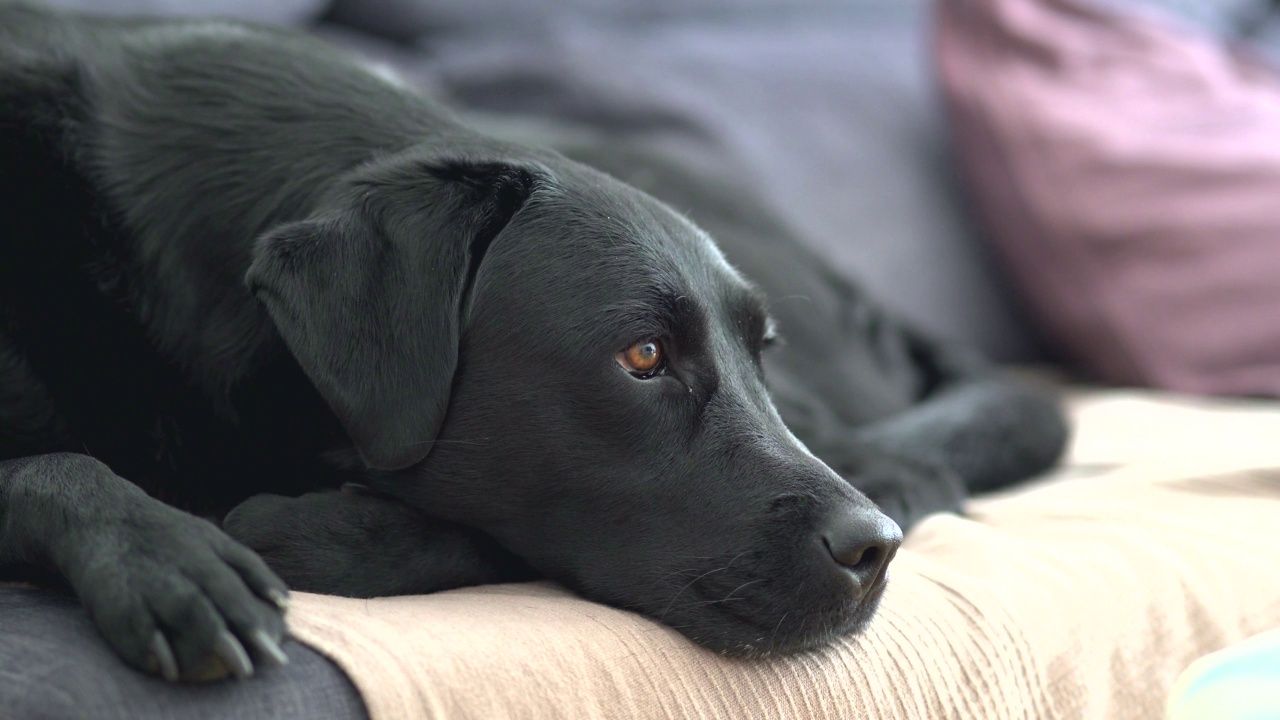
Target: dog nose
{"points": [[861, 542]]}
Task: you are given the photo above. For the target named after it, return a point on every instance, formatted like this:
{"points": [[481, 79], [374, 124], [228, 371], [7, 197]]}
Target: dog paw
{"points": [[174, 596], [358, 544], [328, 541]]}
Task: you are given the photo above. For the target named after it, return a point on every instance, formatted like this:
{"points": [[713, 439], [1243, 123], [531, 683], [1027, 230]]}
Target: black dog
{"points": [[239, 270]]}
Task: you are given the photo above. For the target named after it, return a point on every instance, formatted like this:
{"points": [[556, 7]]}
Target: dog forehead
{"points": [[604, 227]]}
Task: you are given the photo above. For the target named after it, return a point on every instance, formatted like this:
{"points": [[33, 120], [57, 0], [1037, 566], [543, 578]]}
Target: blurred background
{"points": [[1091, 183]]}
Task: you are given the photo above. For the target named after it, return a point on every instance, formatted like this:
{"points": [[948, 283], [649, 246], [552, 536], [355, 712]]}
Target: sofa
{"points": [[1084, 593]]}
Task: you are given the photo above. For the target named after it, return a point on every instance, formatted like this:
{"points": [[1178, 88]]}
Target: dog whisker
{"points": [[726, 598], [667, 609], [774, 634], [439, 441], [662, 578]]}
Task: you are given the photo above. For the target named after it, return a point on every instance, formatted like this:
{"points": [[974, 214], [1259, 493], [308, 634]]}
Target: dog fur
{"points": [[239, 271]]}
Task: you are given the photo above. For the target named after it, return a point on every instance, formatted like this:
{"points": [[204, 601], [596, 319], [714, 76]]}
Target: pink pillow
{"points": [[1129, 174]]}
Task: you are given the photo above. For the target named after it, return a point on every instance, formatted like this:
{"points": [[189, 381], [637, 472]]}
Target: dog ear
{"points": [[369, 299]]}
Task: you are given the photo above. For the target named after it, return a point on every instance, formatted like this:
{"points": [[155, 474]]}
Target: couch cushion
{"points": [[1129, 171], [279, 12], [1085, 596], [826, 112], [409, 19]]}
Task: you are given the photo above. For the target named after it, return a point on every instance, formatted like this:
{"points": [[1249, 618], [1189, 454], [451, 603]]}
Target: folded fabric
{"points": [[1083, 597]]}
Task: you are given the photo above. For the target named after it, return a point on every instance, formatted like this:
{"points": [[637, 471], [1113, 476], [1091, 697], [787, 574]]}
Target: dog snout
{"points": [[860, 542]]}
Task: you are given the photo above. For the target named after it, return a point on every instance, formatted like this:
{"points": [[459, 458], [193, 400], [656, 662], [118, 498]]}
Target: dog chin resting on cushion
{"points": [[240, 271]]}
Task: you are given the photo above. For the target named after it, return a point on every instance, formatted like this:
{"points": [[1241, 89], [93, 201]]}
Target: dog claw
{"points": [[268, 648], [162, 658], [279, 599], [232, 654]]}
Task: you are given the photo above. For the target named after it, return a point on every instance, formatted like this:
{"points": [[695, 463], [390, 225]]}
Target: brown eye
{"points": [[642, 358]]}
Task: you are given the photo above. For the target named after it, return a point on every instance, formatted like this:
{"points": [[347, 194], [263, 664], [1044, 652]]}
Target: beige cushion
{"points": [[1082, 597]]}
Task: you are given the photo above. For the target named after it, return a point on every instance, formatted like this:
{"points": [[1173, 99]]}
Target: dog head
{"points": [[534, 349]]}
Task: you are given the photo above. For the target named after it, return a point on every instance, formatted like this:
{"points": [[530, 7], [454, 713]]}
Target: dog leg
{"points": [[168, 591], [974, 430], [991, 432], [991, 429], [357, 544], [967, 437]]}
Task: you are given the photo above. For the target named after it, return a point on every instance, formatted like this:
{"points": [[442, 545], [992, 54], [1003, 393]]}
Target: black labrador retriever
{"points": [[240, 271]]}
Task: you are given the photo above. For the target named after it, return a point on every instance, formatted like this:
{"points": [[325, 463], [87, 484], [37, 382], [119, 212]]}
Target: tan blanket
{"points": [[1082, 597]]}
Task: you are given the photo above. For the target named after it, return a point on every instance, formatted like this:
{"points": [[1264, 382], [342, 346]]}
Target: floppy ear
{"points": [[369, 298]]}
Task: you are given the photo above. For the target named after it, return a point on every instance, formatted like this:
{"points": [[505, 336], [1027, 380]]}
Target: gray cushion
{"points": [[404, 19], [826, 112], [1220, 17], [278, 12]]}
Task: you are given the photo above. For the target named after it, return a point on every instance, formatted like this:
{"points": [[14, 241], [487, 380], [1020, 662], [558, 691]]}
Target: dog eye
{"points": [[644, 359], [771, 336]]}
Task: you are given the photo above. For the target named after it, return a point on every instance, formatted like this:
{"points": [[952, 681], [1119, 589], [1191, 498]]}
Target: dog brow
{"points": [[750, 314]]}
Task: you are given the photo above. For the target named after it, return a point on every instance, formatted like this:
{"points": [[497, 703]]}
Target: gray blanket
{"points": [[53, 666]]}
